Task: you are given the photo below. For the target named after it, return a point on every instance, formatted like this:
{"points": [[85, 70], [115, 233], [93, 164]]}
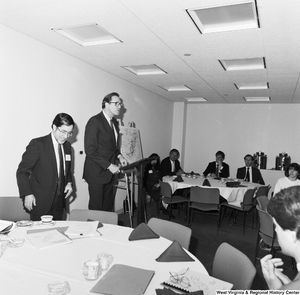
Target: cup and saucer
{"points": [[47, 220]]}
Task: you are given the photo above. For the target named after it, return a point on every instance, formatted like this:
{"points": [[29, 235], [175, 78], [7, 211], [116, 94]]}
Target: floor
{"points": [[205, 241]]}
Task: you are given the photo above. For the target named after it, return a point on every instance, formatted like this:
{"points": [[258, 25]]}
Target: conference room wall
{"points": [[38, 81], [239, 129]]}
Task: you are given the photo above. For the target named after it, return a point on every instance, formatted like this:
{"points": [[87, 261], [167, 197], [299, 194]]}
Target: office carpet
{"points": [[205, 241]]}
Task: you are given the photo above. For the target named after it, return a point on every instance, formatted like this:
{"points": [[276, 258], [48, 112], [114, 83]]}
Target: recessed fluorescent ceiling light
{"points": [[243, 64], [176, 88], [195, 99], [87, 35], [223, 18], [257, 99], [145, 70], [252, 86]]}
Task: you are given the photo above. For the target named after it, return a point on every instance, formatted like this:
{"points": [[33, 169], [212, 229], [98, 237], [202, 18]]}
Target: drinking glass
{"points": [[91, 270], [105, 260], [59, 288]]}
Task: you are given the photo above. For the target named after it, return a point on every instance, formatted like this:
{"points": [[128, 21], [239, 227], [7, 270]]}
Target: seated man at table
{"points": [[249, 173], [170, 166], [284, 207], [217, 168]]}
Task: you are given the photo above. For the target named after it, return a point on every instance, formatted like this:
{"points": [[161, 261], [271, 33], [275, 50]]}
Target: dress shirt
{"points": [[55, 146], [172, 166], [109, 120]]}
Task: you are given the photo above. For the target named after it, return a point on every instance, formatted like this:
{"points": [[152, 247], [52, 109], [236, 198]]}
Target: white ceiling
{"points": [[160, 32]]}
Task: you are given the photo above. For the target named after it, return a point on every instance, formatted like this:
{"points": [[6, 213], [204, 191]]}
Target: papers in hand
{"points": [[197, 281], [82, 229], [49, 238]]}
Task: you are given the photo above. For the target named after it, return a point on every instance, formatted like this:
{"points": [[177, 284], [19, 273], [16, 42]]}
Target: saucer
{"points": [[47, 223]]}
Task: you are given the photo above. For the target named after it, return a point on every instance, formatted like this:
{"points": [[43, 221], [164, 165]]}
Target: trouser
{"points": [[102, 195]]}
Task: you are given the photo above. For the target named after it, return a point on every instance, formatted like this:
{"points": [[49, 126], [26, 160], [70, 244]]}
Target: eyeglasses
{"points": [[180, 279], [64, 132], [117, 104]]}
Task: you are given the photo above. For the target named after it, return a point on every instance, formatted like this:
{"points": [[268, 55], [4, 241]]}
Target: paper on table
{"points": [[47, 239], [124, 280], [81, 229], [198, 281]]}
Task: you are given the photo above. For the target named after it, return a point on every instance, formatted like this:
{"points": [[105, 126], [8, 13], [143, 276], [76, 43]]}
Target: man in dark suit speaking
{"points": [[101, 144], [44, 177], [249, 173]]}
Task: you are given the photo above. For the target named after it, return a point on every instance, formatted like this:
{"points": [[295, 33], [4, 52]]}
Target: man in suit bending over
{"points": [[249, 173], [44, 175], [217, 168], [101, 144]]}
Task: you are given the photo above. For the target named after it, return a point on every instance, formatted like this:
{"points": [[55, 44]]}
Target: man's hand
{"points": [[29, 202], [273, 276], [114, 169], [68, 189], [122, 161]]}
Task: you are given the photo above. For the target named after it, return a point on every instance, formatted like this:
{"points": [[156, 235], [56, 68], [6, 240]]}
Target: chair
{"points": [[262, 202], [204, 200], [97, 215], [171, 231], [169, 198], [263, 191], [233, 266], [246, 206], [266, 232], [12, 209]]}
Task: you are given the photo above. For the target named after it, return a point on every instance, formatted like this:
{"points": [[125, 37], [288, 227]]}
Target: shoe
{"points": [[164, 210], [168, 212]]}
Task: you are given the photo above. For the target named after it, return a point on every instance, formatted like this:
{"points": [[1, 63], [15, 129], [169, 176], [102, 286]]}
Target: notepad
{"points": [[124, 280], [198, 281], [49, 238]]}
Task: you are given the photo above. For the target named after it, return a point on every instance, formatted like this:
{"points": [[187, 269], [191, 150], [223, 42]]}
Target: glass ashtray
{"points": [[15, 243]]}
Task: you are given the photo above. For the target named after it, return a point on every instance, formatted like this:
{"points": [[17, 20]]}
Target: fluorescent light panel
{"points": [[252, 86], [145, 70], [87, 35], [257, 99], [176, 88], [223, 18], [243, 64], [195, 99]]}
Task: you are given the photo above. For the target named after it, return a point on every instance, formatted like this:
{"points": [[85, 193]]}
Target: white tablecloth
{"points": [[27, 270], [233, 195]]}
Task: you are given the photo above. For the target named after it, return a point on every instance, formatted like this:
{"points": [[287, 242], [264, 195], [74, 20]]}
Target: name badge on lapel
{"points": [[68, 157]]}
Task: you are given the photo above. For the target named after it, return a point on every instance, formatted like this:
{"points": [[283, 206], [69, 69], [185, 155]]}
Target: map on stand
{"points": [[131, 147]]}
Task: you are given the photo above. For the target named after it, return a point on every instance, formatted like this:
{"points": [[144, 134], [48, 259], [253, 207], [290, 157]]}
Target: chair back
{"points": [[263, 191], [262, 202], [97, 215], [205, 195], [247, 203], [171, 231], [233, 266], [206, 182], [165, 189], [266, 228], [12, 209]]}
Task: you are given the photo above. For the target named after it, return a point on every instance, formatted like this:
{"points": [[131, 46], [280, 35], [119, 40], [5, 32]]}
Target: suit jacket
{"points": [[101, 149], [166, 167], [256, 175], [211, 168], [37, 172]]}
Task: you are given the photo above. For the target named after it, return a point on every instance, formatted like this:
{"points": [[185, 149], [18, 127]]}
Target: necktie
{"points": [[61, 180], [112, 128], [217, 170], [247, 178]]}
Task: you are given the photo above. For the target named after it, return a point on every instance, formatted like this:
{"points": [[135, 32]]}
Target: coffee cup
{"points": [[46, 218]]}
